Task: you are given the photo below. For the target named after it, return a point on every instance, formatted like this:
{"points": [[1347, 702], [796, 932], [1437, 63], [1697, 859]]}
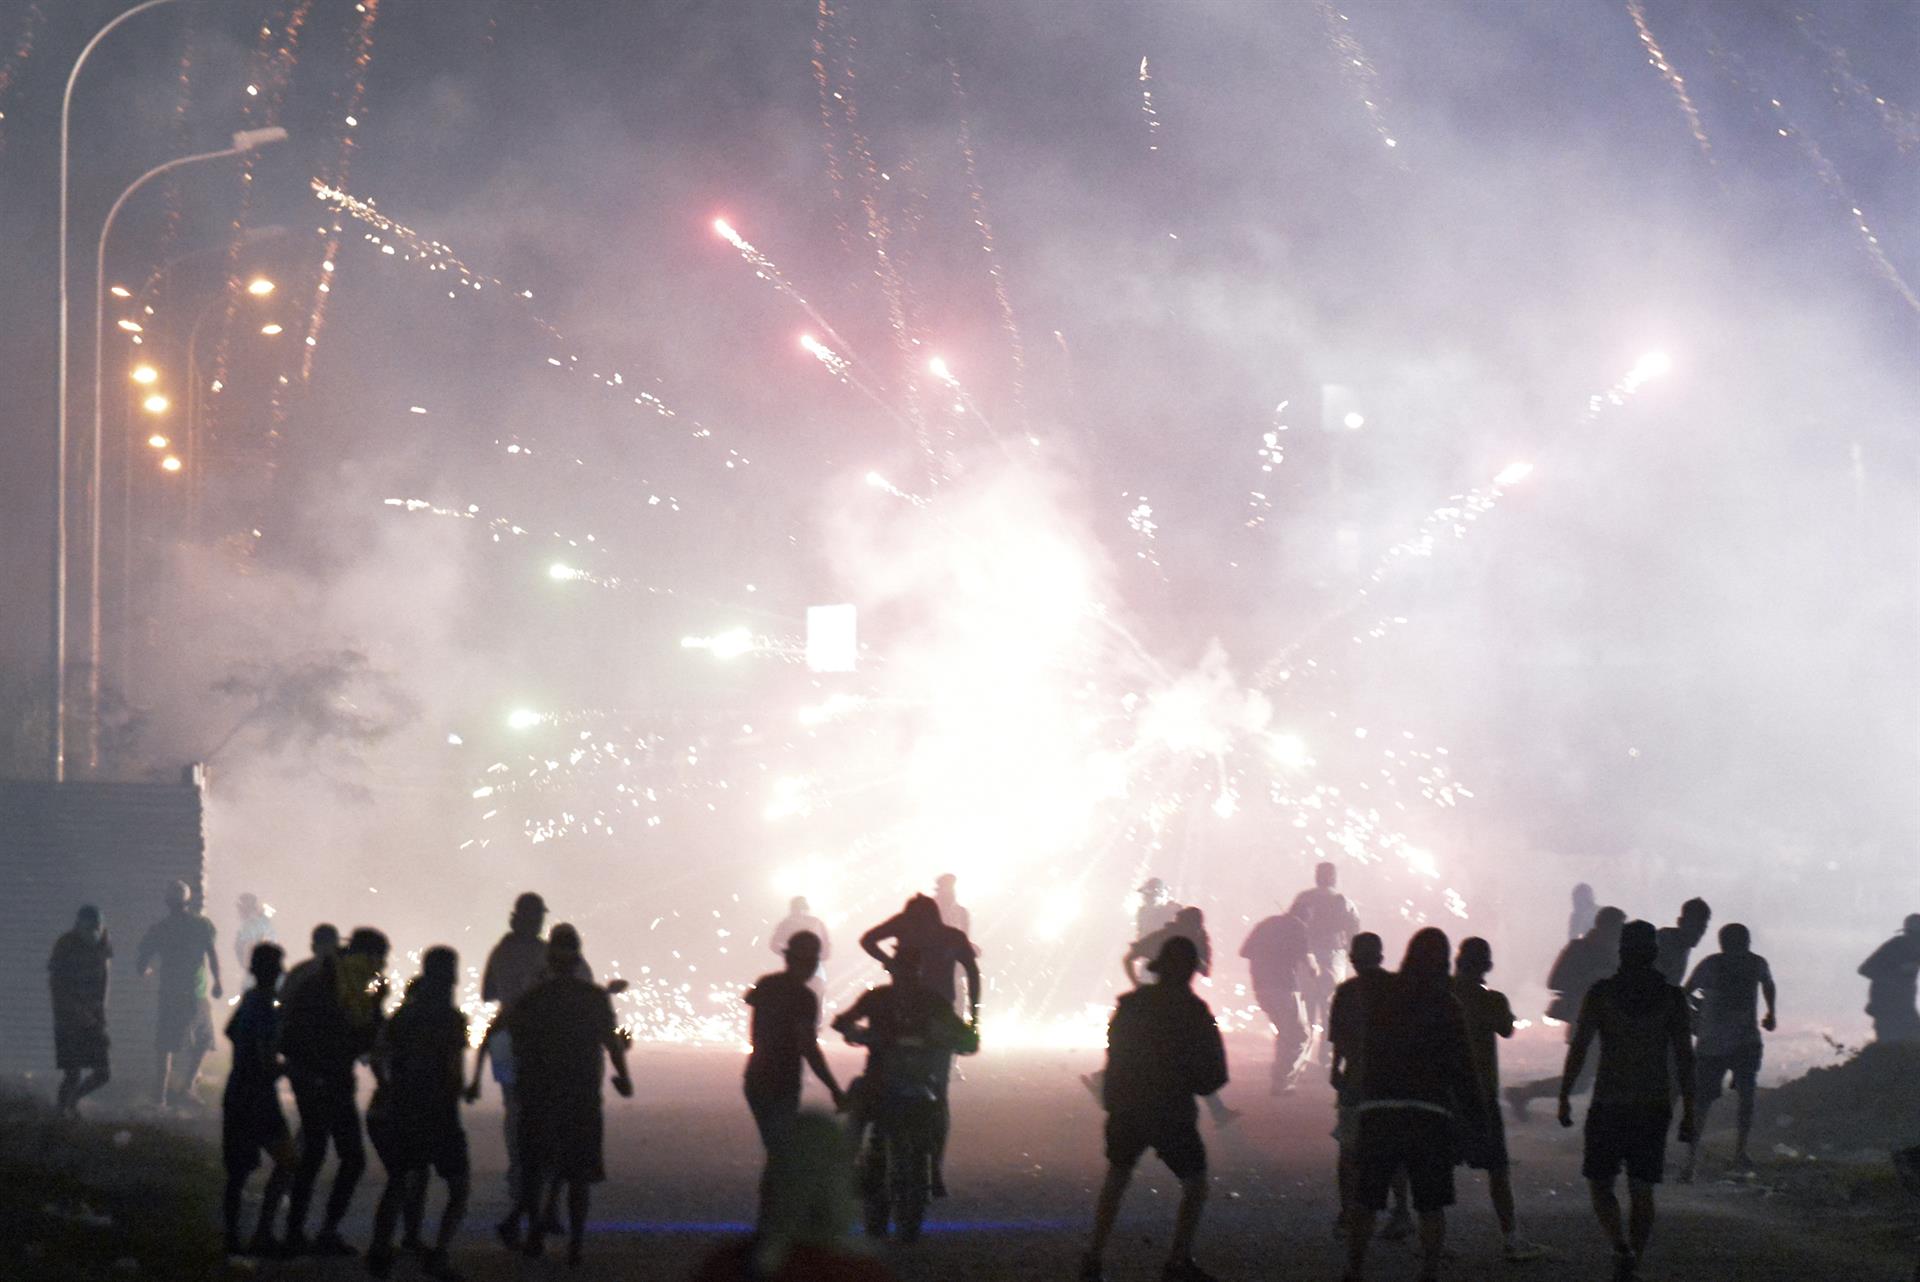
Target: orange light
{"points": [[170, 464], [144, 374], [156, 404], [270, 330], [132, 327], [158, 441], [260, 287]]}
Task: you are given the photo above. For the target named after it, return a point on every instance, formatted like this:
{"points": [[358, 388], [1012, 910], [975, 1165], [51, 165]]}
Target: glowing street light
{"points": [[156, 404], [121, 291], [158, 441], [260, 287], [271, 329], [1354, 420], [131, 326], [170, 463], [144, 374]]}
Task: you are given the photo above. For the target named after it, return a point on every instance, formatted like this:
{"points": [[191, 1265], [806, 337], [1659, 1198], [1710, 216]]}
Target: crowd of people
{"points": [[1411, 1054]]}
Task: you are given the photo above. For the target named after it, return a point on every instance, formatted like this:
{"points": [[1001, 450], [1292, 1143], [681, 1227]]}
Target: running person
{"points": [[1727, 987], [250, 1118], [1489, 1018]]}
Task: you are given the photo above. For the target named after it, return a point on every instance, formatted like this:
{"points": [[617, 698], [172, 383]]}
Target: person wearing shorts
{"points": [[1645, 1033], [251, 1122], [1726, 989], [181, 945], [1416, 1088], [1163, 1052]]}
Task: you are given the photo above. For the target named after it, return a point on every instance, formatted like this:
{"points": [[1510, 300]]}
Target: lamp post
{"points": [[57, 745], [244, 141]]}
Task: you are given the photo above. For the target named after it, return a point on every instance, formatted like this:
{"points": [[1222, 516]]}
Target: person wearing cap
{"points": [[1645, 1033], [563, 1033], [1163, 1052], [256, 927], [784, 1030], [181, 944], [512, 968], [77, 973]]}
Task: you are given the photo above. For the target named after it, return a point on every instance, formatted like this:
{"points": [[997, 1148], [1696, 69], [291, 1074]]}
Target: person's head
{"points": [[178, 895], [1190, 919], [1325, 875], [439, 973], [943, 885], [1583, 897], [922, 908], [802, 953], [1153, 890], [326, 939], [529, 914], [1475, 959], [372, 944], [264, 965], [809, 1193], [249, 905], [87, 920], [1177, 961], [1694, 916], [1366, 952], [1427, 954], [563, 949], [798, 906], [1912, 926], [1639, 945], [1607, 923], [1735, 938]]}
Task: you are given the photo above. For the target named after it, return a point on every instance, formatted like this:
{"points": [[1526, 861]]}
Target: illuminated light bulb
{"points": [[1514, 473], [156, 404], [120, 291], [170, 464], [132, 327], [144, 374], [253, 91], [270, 329], [260, 287], [158, 441], [1655, 364], [1354, 420], [524, 719]]}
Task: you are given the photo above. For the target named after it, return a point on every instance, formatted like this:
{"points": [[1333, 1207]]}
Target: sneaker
{"points": [[1185, 1271], [1520, 1252], [1090, 1270], [1398, 1228], [331, 1243]]}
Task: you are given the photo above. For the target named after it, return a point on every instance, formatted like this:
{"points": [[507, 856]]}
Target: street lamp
{"points": [[244, 141], [57, 744]]}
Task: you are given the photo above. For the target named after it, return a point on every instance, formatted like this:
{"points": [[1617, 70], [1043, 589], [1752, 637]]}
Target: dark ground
{"points": [[683, 1161]]}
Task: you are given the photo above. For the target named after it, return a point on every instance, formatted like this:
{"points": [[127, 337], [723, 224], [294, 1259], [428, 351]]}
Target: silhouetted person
{"points": [[1163, 1051], [251, 1122], [800, 917], [948, 902], [1890, 974], [1331, 921], [330, 1021], [941, 948], [414, 1116], [1346, 1038], [1675, 943], [256, 927], [181, 943], [515, 965], [563, 1034], [1188, 923], [1646, 1053], [1580, 920], [912, 1034], [1278, 957], [806, 1211], [786, 1015], [1489, 1017], [77, 973], [325, 941], [1417, 1094], [1582, 963], [1727, 988], [1156, 909]]}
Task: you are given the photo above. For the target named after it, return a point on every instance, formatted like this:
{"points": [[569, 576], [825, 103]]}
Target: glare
{"points": [[156, 404], [1289, 749], [1655, 364], [1354, 420], [561, 572], [270, 329], [170, 464], [145, 374], [260, 287], [120, 291], [132, 327], [940, 371], [1514, 473], [158, 441], [524, 719]]}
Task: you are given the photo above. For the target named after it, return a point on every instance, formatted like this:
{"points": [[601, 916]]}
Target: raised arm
{"points": [[888, 929]]}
